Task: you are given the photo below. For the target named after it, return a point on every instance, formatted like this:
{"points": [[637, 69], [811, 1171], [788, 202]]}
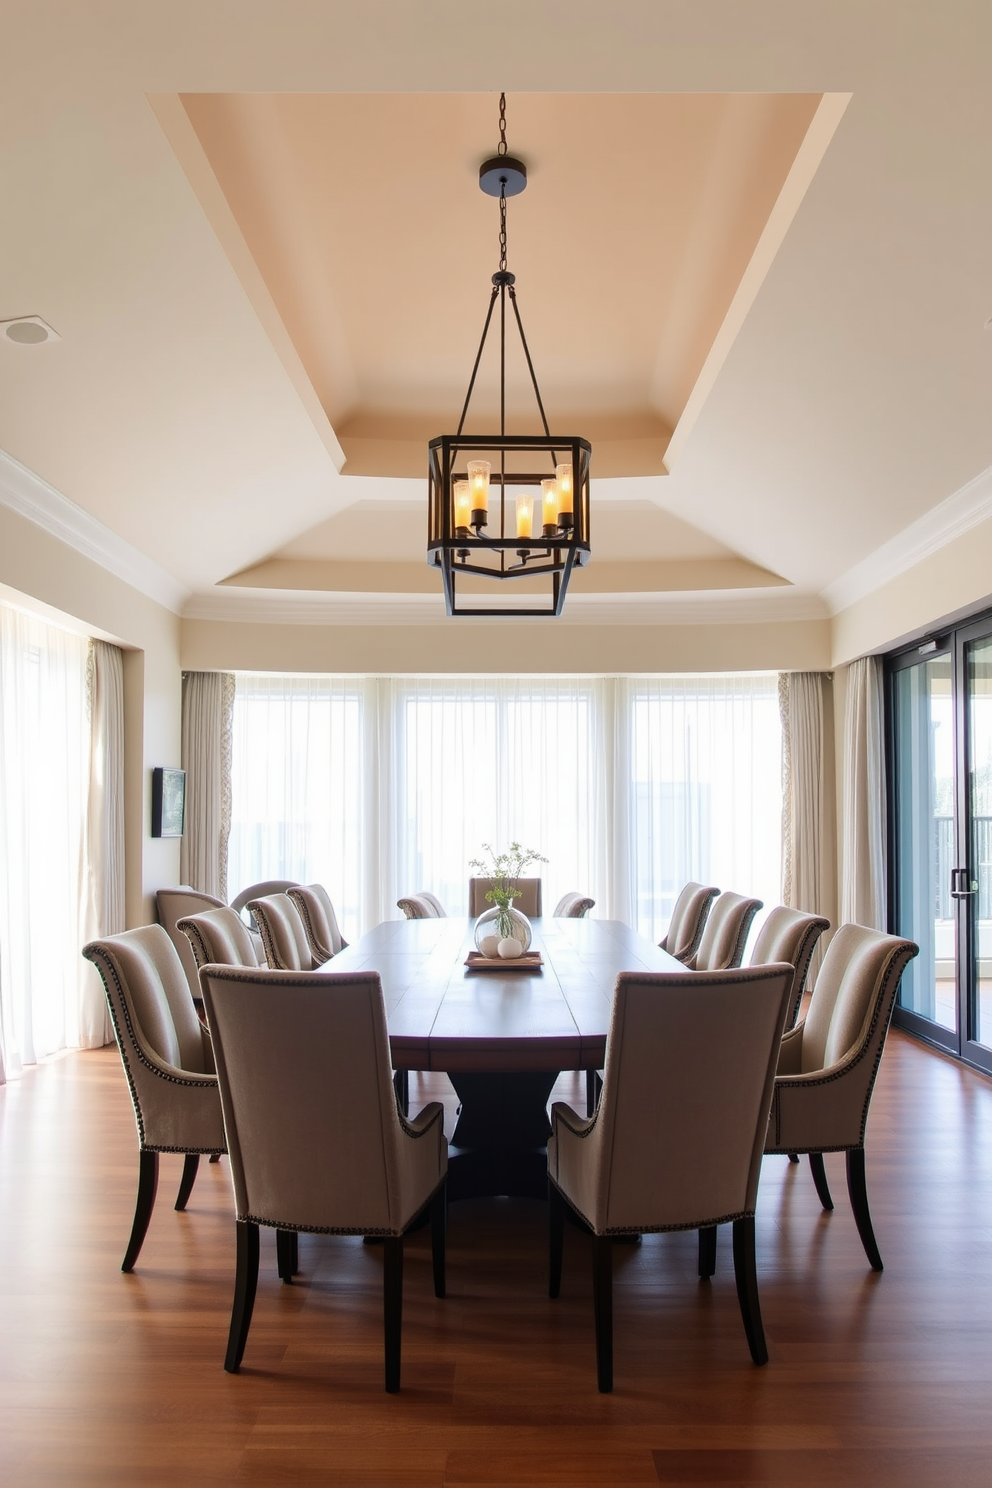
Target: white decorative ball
{"points": [[510, 949], [489, 946]]}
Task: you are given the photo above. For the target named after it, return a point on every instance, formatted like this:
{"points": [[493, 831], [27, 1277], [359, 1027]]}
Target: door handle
{"points": [[962, 887]]}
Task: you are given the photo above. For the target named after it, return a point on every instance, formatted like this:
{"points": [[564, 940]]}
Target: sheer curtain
{"points": [[103, 876], [863, 878], [44, 765], [377, 787], [805, 870]]}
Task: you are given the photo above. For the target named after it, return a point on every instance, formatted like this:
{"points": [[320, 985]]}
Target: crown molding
{"points": [[967, 508], [724, 607], [25, 493]]}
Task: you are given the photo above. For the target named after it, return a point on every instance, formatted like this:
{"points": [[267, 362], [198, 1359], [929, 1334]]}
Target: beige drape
{"points": [[103, 866], [208, 707], [863, 872], [804, 849]]}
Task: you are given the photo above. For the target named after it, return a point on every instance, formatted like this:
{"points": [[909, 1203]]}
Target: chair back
{"points": [[306, 1085], [434, 902], [417, 907], [688, 918], [220, 936], [573, 907], [855, 991], [690, 1067], [284, 938], [315, 909], [721, 945], [172, 905], [789, 935], [528, 903], [149, 997], [261, 891]]}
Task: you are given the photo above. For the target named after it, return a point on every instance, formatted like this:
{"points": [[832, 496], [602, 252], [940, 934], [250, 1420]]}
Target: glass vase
{"points": [[519, 924]]}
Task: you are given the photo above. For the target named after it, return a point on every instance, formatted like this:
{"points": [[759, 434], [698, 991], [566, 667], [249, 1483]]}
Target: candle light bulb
{"points": [[478, 481], [525, 516], [549, 503], [563, 477], [463, 506]]}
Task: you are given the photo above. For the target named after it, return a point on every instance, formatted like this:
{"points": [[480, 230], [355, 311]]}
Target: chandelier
{"points": [[507, 507]]}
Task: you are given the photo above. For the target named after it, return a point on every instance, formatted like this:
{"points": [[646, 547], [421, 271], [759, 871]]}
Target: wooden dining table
{"points": [[502, 1036]]}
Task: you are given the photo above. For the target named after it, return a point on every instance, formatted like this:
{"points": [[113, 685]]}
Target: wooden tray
{"points": [[530, 960]]}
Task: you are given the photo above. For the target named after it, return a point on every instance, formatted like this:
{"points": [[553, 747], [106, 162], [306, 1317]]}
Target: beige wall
{"points": [[48, 573], [944, 586], [472, 646]]}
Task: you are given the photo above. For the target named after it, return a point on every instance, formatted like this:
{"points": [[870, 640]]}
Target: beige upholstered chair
{"points": [[721, 945], [528, 902], [260, 890], [573, 907], [284, 937], [435, 904], [319, 1147], [172, 905], [676, 1141], [219, 936], [319, 921], [789, 935], [688, 919], [827, 1064], [417, 907], [167, 1061]]}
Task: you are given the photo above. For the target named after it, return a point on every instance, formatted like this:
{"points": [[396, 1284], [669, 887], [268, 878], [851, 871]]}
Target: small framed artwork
{"points": [[168, 802]]}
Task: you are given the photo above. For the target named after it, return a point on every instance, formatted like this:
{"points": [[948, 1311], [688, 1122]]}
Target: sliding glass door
{"points": [[941, 792]]}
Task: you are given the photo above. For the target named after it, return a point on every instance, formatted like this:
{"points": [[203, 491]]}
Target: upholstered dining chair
{"points": [[721, 945], [434, 902], [828, 1062], [260, 890], [284, 936], [418, 907], [317, 1155], [319, 921], [789, 935], [167, 1060], [688, 919], [528, 902], [172, 905], [219, 936], [573, 907], [676, 1140]]}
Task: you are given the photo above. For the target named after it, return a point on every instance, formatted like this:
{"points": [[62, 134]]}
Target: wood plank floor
{"points": [[118, 1380]]}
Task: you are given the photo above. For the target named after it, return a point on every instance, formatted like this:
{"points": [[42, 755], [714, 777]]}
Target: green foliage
{"points": [[503, 870]]}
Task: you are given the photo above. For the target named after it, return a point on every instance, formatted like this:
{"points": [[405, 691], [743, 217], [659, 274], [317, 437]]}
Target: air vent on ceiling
{"points": [[28, 330]]}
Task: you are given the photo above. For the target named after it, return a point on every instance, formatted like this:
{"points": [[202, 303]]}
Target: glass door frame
{"points": [[961, 1041]]}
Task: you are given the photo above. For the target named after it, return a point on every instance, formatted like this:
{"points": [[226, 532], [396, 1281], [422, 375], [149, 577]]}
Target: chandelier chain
{"points": [[502, 125]]}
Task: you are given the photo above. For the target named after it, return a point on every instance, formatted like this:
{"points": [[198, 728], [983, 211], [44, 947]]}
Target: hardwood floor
{"points": [[873, 1379]]}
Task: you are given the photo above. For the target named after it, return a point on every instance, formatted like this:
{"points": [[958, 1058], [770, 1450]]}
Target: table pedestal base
{"points": [[499, 1144]]}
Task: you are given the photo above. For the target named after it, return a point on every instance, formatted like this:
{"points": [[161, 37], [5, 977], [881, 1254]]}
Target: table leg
{"points": [[499, 1144]]}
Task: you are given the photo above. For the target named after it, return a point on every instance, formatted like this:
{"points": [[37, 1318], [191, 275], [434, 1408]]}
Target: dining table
{"points": [[501, 1034]]}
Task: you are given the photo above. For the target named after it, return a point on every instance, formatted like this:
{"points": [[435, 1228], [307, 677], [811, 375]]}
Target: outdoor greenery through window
{"points": [[380, 786]]}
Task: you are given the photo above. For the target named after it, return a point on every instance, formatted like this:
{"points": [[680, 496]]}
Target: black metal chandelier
{"points": [[507, 506]]}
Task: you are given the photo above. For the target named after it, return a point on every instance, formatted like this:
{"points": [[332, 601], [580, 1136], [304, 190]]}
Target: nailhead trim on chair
{"points": [[201, 1081], [885, 1000], [696, 1224], [310, 1229], [316, 949]]}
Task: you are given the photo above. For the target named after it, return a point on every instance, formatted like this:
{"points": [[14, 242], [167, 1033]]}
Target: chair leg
{"points": [[602, 1297], [556, 1239], [245, 1282], [143, 1206], [439, 1229], [746, 1276], [392, 1307], [287, 1254], [820, 1179], [707, 1250], [215, 1157], [793, 1157], [857, 1187], [190, 1164]]}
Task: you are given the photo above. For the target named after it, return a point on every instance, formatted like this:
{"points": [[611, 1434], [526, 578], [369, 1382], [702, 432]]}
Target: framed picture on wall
{"points": [[168, 802]]}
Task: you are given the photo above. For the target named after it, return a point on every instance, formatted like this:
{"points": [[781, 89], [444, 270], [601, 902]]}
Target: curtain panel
{"points": [[103, 881], [863, 866], [805, 864], [380, 786], [207, 710]]}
